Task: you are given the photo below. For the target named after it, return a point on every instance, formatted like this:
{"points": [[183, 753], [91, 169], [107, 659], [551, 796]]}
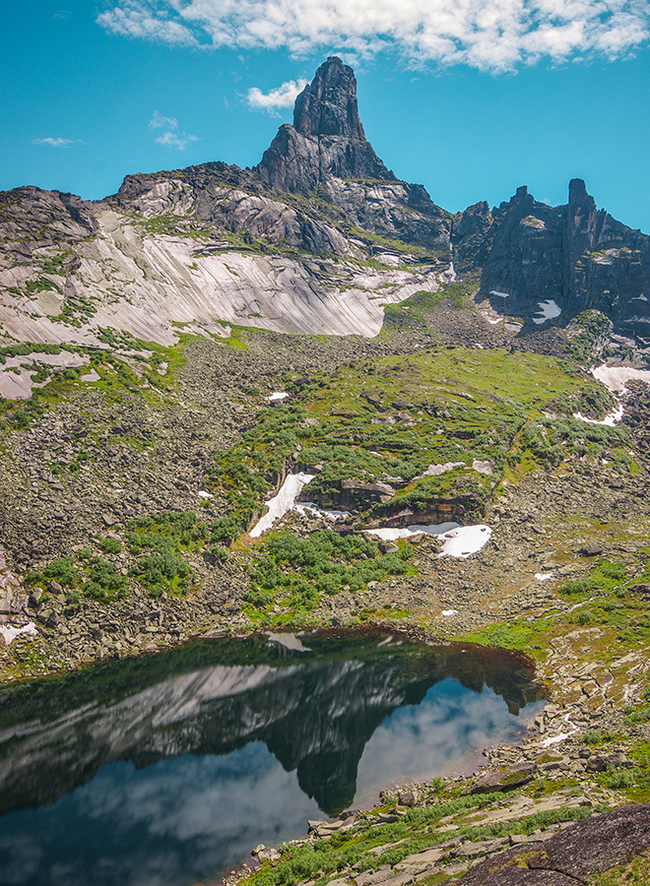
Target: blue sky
{"points": [[470, 100]]}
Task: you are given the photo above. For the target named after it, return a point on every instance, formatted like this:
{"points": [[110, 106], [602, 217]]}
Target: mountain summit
{"points": [[328, 105], [317, 238]]}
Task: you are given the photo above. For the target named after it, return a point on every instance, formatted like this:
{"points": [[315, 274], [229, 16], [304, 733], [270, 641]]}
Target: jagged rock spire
{"points": [[328, 105], [327, 138]]}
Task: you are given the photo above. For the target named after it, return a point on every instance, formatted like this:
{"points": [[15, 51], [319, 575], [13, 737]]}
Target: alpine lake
{"points": [[167, 769]]}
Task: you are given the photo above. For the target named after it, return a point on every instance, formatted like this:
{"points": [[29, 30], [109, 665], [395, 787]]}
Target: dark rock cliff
{"points": [[575, 255], [326, 138], [328, 105]]}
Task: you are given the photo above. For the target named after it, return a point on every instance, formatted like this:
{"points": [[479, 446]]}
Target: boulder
{"points": [[505, 779], [574, 855]]}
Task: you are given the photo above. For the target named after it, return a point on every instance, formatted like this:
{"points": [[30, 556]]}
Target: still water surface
{"points": [[164, 770]]}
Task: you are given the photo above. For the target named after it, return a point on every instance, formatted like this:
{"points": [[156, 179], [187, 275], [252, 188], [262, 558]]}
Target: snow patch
{"points": [[482, 467], [465, 540], [277, 397], [389, 533], [448, 612], [543, 576], [549, 309], [10, 633], [612, 419], [436, 470], [616, 377], [203, 494], [311, 506], [282, 502], [554, 739], [498, 294]]}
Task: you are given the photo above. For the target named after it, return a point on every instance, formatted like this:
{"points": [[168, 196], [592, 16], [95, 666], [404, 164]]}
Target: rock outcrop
{"points": [[575, 257], [328, 105], [575, 855], [326, 153], [326, 139]]}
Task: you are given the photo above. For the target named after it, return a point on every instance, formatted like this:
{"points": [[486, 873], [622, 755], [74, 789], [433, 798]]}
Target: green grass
{"points": [[414, 312], [603, 599], [633, 873], [416, 830]]}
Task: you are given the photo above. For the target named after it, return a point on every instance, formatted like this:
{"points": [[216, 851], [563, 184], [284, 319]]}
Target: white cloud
{"points": [[494, 35], [171, 137], [282, 97], [179, 140], [56, 142], [135, 19], [159, 122]]}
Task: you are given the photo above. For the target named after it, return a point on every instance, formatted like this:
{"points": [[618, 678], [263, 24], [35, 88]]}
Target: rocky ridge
{"points": [[575, 255], [316, 238]]}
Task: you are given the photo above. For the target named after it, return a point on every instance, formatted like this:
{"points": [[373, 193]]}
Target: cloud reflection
{"points": [[171, 823], [425, 740]]}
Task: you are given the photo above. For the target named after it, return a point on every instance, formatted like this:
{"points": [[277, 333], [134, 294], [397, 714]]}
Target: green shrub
{"points": [[105, 581], [162, 572], [110, 546], [62, 570], [625, 779]]}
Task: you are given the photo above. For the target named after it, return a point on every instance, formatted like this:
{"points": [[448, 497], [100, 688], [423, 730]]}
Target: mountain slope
{"points": [[315, 239]]}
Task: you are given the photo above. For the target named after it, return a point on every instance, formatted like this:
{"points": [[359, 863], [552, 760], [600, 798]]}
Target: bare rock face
{"points": [[472, 235], [608, 264], [328, 105], [526, 258], [327, 138], [320, 190], [574, 255], [573, 856]]}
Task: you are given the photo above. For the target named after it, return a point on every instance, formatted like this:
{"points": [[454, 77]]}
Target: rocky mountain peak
{"points": [[327, 139], [578, 191], [328, 105]]}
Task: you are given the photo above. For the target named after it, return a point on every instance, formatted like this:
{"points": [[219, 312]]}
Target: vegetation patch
{"points": [[83, 575], [415, 831], [592, 328], [292, 572], [398, 419], [414, 312]]}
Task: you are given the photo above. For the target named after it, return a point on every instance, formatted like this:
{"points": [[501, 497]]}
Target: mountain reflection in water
{"points": [[165, 769]]}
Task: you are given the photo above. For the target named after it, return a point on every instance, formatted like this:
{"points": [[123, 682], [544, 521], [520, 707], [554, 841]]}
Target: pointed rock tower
{"points": [[326, 138]]}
